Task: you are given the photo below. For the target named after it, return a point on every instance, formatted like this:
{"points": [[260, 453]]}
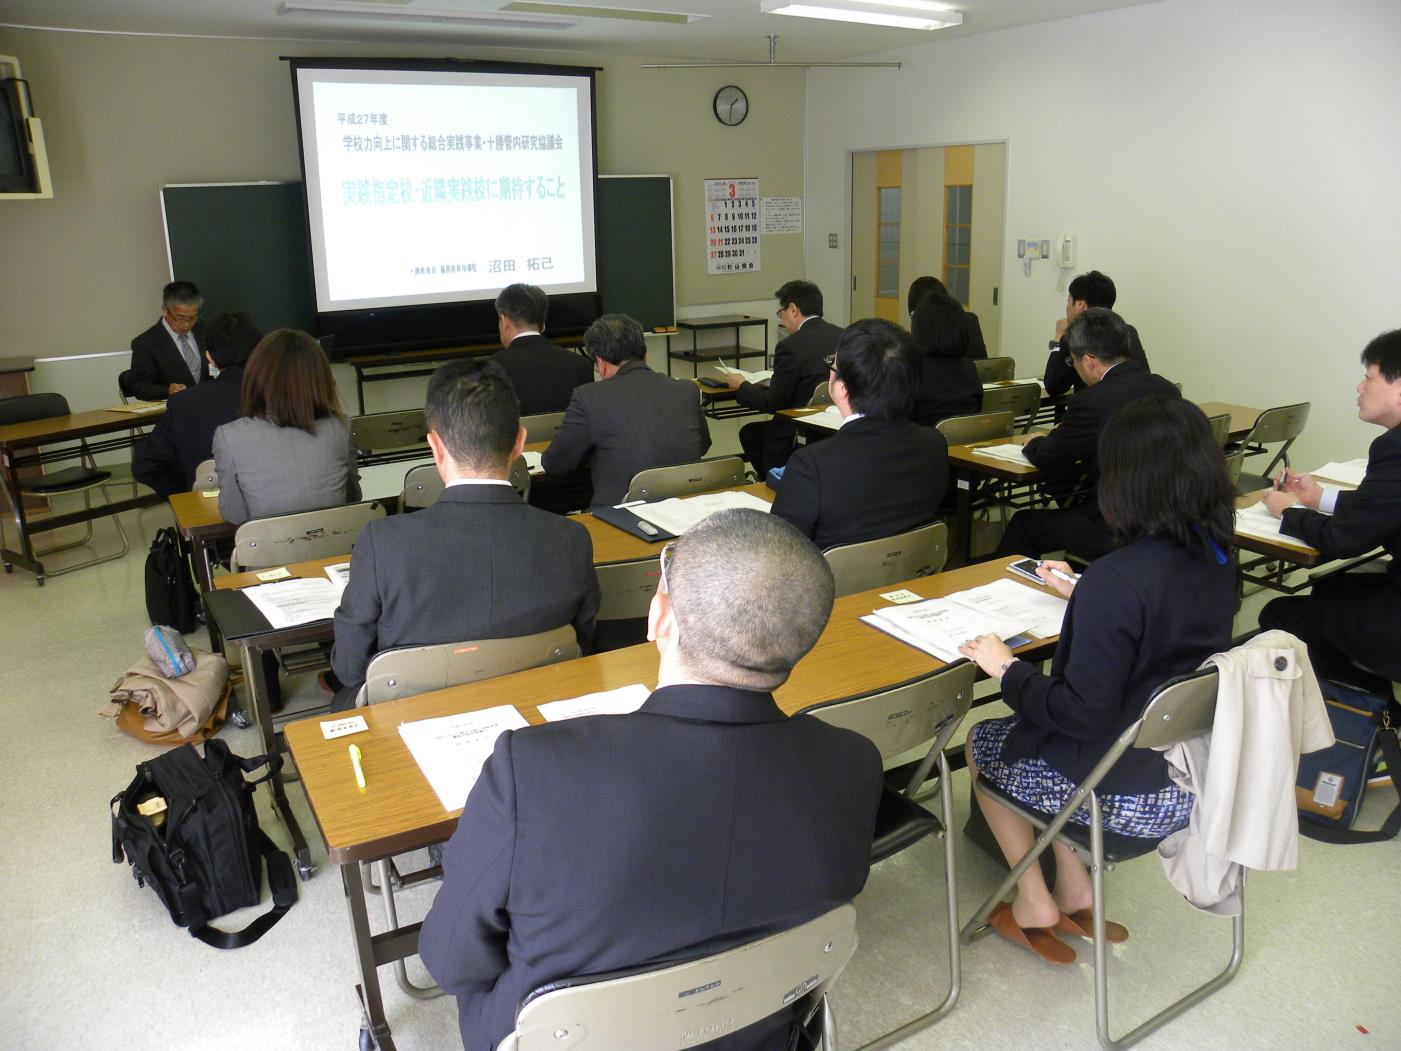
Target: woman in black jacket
{"points": [[949, 385]]}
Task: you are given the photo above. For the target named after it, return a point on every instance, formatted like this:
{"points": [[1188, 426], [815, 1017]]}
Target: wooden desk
{"points": [[967, 468], [20, 448], [399, 811]]}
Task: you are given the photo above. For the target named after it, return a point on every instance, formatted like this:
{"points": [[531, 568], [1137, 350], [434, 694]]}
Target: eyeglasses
{"points": [[182, 318], [831, 362], [664, 559]]}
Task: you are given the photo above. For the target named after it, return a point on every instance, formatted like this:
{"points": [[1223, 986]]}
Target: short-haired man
{"points": [[183, 437], [1087, 290], [543, 374], [634, 420], [168, 356], [1098, 341], [702, 821], [798, 367], [1351, 619], [880, 474], [480, 563]]}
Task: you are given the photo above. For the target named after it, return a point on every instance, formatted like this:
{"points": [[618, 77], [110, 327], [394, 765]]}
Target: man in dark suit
{"points": [[633, 420], [977, 349], [543, 374], [705, 820], [1087, 290], [183, 437], [1098, 341], [168, 357], [478, 564], [881, 474], [799, 365], [1351, 618]]}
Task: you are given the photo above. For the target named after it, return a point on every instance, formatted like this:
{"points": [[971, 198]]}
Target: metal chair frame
{"points": [[1283, 424], [686, 479], [919, 552], [1024, 399]]}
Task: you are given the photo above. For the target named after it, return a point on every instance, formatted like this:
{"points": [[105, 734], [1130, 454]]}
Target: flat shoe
{"points": [[1082, 923], [1037, 940]]}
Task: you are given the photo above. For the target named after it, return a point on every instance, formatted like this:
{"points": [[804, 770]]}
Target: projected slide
{"points": [[436, 187]]}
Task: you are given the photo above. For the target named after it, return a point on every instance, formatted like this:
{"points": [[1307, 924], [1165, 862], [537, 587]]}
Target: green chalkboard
{"points": [[635, 268], [245, 246]]}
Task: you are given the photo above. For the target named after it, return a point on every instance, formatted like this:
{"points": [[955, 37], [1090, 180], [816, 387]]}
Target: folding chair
{"points": [[995, 370], [1023, 399], [898, 720], [887, 560], [686, 479], [380, 432], [979, 427], [657, 1009], [1279, 425], [423, 485], [542, 426], [206, 476], [263, 542], [82, 478], [1221, 428], [1181, 709], [821, 395]]}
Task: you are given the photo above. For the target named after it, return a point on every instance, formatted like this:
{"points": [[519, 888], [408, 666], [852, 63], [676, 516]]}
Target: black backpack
{"points": [[204, 854], [170, 594]]}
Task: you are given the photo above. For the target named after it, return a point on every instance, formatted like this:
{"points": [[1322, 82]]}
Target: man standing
{"points": [[1098, 341], [799, 365], [543, 374], [167, 357], [704, 820], [1351, 618], [634, 420], [880, 474], [478, 564], [1087, 290]]}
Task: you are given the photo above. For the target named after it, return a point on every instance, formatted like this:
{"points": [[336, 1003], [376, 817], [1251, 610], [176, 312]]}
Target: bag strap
{"points": [[1391, 751], [284, 895]]}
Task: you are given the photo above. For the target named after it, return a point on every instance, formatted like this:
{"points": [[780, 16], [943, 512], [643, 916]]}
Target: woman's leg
{"points": [[1034, 906], [1073, 890]]}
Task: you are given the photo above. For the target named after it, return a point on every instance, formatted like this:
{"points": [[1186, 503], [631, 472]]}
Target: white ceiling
{"points": [[734, 30]]}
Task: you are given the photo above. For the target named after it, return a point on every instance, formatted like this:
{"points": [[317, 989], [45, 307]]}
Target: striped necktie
{"points": [[191, 359]]}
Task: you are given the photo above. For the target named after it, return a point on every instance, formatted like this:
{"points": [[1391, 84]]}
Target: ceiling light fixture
{"points": [[630, 14], [389, 12], [901, 14]]}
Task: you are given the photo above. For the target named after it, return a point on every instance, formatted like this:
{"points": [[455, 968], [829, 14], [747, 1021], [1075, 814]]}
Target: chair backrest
{"points": [[685, 479], [1220, 428], [542, 426], [413, 670], [625, 589], [422, 487], [126, 385], [206, 477], [378, 431], [1283, 423], [1234, 463], [1024, 399], [909, 715], [888, 560], [979, 427], [520, 477], [23, 408], [686, 1004], [991, 370], [263, 542], [821, 395], [1179, 710]]}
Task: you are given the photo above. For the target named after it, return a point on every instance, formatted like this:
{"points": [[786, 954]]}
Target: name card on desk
{"points": [[341, 727]]}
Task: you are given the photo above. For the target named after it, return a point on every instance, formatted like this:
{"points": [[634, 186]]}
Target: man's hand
{"points": [[1061, 326], [1276, 501], [174, 388], [731, 380], [1302, 486]]}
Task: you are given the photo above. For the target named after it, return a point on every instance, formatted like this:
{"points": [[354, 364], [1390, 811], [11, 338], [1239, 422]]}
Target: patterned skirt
{"points": [[1039, 786]]}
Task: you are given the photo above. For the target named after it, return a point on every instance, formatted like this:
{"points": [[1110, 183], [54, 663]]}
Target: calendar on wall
{"points": [[731, 226]]}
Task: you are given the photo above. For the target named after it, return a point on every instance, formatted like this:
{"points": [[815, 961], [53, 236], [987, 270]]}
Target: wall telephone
{"points": [[1063, 251]]}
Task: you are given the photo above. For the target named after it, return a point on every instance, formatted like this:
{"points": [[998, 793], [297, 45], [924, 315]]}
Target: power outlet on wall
{"points": [[831, 240]]}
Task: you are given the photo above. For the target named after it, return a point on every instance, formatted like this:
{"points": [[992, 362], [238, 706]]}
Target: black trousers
{"points": [[1351, 619], [1034, 532], [762, 449]]}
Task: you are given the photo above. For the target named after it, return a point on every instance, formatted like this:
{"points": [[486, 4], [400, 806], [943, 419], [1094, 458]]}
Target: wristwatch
{"points": [[1053, 345]]}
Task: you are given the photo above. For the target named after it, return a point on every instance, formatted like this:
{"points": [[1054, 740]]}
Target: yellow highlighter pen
{"points": [[356, 761]]}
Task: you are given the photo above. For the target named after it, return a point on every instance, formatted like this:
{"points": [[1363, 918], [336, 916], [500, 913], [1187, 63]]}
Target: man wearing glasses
{"points": [[168, 357], [706, 819]]}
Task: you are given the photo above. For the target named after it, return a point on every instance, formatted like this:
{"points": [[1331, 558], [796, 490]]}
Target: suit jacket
{"points": [[268, 470], [183, 437], [977, 348], [1140, 615], [156, 362], [1061, 376], [479, 564], [798, 367], [634, 421], [1367, 517], [543, 374], [704, 820], [947, 387], [1070, 449], [871, 479]]}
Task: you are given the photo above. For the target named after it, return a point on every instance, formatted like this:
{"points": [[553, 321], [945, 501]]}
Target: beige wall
{"points": [[123, 115]]}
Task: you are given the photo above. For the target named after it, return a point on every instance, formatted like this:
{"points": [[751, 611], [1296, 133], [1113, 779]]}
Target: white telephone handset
{"points": [[1065, 251]]}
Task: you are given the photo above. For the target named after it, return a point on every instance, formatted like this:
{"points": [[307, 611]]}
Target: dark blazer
{"points": [[977, 348], [798, 367], [1140, 615], [479, 564], [183, 437], [871, 479], [543, 374], [947, 387], [704, 820], [1069, 451], [634, 421], [1061, 376], [156, 362]]}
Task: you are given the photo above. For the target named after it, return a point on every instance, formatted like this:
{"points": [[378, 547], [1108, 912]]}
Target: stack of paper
{"points": [[138, 407], [830, 417], [1010, 452], [532, 461], [1347, 473], [339, 574], [1003, 608], [621, 701], [451, 750], [1256, 520], [682, 513], [300, 600], [757, 376]]}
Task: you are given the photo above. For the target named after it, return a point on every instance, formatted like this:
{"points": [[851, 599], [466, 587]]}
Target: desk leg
{"points": [[963, 518], [257, 690], [373, 1021], [24, 557], [202, 560]]}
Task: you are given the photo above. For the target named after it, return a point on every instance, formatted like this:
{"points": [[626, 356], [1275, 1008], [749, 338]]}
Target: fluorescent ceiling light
{"points": [[630, 14], [390, 12], [902, 14]]}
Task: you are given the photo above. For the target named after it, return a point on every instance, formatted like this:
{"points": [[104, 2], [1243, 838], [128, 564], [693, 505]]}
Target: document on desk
{"points": [[138, 407], [300, 600], [1256, 520], [451, 750], [338, 573], [532, 461], [1037, 610], [939, 626], [621, 701], [757, 376], [1010, 452], [1348, 473], [830, 417], [682, 513]]}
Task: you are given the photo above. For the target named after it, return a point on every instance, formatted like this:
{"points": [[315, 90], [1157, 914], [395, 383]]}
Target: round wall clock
{"points": [[731, 105]]}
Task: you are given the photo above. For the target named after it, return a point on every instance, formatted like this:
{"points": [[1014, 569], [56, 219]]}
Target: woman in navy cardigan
{"points": [[1155, 607]]}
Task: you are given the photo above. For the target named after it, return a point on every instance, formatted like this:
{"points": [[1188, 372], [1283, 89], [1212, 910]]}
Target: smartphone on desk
{"points": [[1026, 568]]}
